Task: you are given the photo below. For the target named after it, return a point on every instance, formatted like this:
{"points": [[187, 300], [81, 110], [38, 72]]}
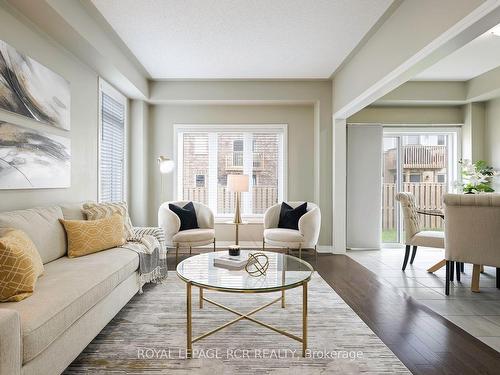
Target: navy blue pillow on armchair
{"points": [[187, 214], [289, 216]]}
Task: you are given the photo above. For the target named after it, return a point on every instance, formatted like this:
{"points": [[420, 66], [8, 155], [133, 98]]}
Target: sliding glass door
{"points": [[422, 161]]}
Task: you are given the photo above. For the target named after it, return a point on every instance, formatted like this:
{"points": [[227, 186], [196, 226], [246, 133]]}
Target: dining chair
{"points": [[414, 235], [472, 234]]}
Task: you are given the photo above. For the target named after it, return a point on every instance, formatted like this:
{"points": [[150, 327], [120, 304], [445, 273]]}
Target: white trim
{"points": [[327, 249], [233, 128], [105, 87], [111, 91]]}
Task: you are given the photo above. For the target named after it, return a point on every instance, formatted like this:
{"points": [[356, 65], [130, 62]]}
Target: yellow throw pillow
{"points": [[95, 211], [20, 265], [90, 236]]}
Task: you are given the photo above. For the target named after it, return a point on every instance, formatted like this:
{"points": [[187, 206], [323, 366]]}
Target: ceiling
{"points": [[475, 58], [241, 39]]}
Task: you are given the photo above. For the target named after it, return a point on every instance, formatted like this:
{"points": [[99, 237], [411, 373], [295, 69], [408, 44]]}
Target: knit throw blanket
{"points": [[149, 244]]}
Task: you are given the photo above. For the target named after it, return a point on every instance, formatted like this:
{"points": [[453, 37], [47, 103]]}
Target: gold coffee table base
{"points": [[247, 316]]}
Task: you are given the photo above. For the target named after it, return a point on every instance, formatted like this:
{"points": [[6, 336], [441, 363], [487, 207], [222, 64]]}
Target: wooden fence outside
{"points": [[428, 196], [262, 198]]}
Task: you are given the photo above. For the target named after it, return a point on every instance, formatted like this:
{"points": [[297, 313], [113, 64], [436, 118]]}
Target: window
{"points": [[238, 145], [441, 178], [237, 157], [200, 180], [255, 150], [112, 118], [415, 177]]}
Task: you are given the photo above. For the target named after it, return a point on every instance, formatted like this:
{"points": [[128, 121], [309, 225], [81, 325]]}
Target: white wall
{"points": [[473, 131], [364, 184], [492, 137], [301, 152], [84, 109], [261, 93], [139, 161], [409, 115]]}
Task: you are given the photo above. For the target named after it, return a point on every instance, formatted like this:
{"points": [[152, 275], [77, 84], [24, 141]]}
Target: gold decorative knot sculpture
{"points": [[257, 264]]}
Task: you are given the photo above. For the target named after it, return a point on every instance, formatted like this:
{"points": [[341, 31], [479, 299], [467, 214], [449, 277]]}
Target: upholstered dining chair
{"points": [[174, 237], [472, 228], [306, 237], [414, 235]]}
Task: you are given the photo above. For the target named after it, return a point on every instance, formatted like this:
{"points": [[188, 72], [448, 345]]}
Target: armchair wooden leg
{"points": [[315, 254], [498, 277], [474, 286], [263, 243], [407, 255], [447, 281], [413, 254], [481, 268], [176, 254], [190, 249], [300, 251], [452, 269], [214, 244], [458, 271], [462, 266]]}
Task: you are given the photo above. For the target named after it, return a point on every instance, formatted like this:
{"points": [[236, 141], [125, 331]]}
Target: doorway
{"points": [[424, 162]]}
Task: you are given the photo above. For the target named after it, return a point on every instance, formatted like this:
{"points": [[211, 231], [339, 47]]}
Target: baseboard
{"points": [[327, 249], [362, 248]]}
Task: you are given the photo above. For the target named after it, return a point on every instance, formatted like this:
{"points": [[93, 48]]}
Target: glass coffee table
{"points": [[284, 272]]}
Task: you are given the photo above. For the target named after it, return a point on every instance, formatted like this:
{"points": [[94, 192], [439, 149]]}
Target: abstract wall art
{"points": [[31, 159], [30, 89]]}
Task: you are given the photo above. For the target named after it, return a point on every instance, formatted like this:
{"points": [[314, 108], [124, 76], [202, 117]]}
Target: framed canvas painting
{"points": [[31, 159], [30, 89]]}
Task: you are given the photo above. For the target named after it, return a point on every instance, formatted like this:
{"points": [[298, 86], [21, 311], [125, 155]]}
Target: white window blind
{"points": [[206, 154], [111, 145]]}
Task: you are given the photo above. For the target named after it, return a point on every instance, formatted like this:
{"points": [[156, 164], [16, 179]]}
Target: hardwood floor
{"points": [[423, 340]]}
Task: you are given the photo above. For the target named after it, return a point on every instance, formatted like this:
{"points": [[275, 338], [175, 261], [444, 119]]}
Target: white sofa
{"points": [[73, 300]]}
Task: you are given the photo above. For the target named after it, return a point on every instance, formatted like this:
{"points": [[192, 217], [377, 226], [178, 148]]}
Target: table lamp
{"points": [[237, 183]]}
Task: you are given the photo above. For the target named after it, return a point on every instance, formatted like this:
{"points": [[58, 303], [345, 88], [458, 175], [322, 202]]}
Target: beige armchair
{"points": [[190, 238], [306, 237], [414, 235], [472, 227]]}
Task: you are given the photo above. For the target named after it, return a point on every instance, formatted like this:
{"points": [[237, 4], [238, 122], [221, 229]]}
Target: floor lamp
{"points": [[166, 165]]}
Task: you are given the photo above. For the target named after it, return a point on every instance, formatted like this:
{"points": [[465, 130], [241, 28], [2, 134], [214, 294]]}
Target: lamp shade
{"points": [[165, 164], [237, 182]]}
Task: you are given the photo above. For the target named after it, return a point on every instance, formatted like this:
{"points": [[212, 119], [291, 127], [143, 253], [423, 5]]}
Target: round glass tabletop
{"points": [[284, 272]]}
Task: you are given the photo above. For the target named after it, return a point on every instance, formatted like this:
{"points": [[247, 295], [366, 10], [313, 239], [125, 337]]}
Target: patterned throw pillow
{"points": [[95, 211], [90, 236], [20, 265]]}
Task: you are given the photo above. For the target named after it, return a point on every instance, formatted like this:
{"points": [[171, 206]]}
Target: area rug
{"points": [[148, 336]]}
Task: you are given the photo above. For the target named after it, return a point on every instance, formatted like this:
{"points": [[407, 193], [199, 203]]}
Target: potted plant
{"points": [[476, 177]]}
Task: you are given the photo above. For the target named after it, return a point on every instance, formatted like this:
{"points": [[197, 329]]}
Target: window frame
{"points": [[236, 128], [109, 90]]}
